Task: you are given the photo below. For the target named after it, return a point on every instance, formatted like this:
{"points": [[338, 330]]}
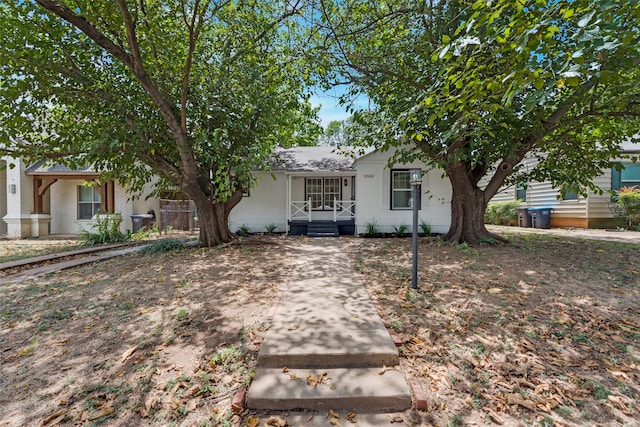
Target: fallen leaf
{"points": [[351, 417], [51, 419], [107, 410], [334, 418], [619, 401], [515, 399], [150, 403], [276, 422], [314, 380], [253, 422], [527, 345], [494, 290], [191, 404], [494, 417], [127, 354]]}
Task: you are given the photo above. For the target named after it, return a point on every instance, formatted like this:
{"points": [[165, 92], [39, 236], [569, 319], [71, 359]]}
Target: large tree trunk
{"points": [[468, 205], [213, 217]]}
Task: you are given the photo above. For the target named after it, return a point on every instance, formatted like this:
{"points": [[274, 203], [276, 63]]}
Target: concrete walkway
{"points": [[576, 233], [327, 346]]}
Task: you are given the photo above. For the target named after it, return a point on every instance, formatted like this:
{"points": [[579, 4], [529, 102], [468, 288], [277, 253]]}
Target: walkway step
{"points": [[355, 389], [312, 348]]}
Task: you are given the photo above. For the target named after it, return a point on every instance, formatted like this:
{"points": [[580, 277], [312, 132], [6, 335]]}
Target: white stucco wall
{"points": [[64, 208], [373, 196], [19, 204]]}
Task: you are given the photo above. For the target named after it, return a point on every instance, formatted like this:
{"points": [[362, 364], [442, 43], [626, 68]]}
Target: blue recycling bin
{"points": [[540, 217]]}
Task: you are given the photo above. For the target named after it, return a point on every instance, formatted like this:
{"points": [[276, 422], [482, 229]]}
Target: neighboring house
{"points": [[574, 210], [43, 199], [312, 189], [309, 190]]}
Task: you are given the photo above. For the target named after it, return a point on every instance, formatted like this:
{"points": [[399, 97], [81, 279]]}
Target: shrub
{"points": [[106, 230], [271, 228], [372, 228], [627, 205], [502, 213], [146, 232], [401, 229], [244, 229], [425, 228], [164, 245]]}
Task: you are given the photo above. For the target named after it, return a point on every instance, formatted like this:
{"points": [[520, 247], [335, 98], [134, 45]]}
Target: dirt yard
{"points": [[543, 331]]}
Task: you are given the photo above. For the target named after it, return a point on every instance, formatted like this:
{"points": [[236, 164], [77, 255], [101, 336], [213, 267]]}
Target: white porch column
{"points": [[19, 200], [40, 225], [287, 215]]}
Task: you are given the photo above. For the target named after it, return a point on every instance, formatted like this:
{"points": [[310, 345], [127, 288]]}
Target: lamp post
{"points": [[416, 182]]}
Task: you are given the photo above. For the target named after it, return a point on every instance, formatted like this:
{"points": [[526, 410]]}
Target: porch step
{"points": [[323, 229], [355, 389]]}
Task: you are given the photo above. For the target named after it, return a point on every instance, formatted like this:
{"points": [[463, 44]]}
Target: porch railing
{"points": [[342, 210], [301, 210]]}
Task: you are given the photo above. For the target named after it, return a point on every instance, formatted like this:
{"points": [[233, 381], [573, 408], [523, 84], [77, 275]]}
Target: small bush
{"points": [[146, 232], [401, 229], [502, 213], [164, 245], [627, 206], [372, 228], [105, 230], [425, 228], [271, 228], [244, 229]]}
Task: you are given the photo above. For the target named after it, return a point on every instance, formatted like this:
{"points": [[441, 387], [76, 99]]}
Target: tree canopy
{"points": [[474, 87], [198, 92]]}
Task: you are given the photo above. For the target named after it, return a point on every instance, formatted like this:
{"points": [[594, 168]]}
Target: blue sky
{"points": [[329, 108]]}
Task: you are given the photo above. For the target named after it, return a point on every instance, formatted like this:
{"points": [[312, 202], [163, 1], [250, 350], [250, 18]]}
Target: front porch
{"points": [[322, 212]]}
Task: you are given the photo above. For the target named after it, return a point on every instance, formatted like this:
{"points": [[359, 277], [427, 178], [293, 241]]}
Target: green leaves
{"points": [[223, 72]]}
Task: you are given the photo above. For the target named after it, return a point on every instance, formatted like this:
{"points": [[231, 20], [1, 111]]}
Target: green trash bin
{"points": [[540, 217]]}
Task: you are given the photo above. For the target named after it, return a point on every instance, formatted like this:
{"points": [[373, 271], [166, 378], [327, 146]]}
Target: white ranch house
{"points": [[309, 190], [315, 187]]}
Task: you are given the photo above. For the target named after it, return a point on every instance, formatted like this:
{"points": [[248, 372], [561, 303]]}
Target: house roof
{"points": [[44, 168], [312, 159]]}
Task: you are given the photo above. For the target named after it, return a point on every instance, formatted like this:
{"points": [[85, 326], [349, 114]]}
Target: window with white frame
{"points": [[89, 201], [323, 192], [401, 191]]}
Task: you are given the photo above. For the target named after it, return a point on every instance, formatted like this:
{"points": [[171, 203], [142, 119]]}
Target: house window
{"points": [[521, 191], [89, 201], [323, 191], [569, 195], [627, 177], [401, 191]]}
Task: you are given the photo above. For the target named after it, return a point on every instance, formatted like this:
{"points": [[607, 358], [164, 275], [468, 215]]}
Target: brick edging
{"points": [[418, 394]]}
